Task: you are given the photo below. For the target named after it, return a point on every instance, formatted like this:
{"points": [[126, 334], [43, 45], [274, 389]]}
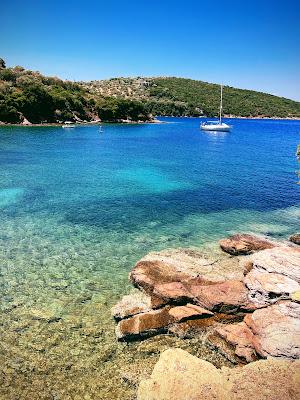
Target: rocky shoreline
{"points": [[247, 303]]}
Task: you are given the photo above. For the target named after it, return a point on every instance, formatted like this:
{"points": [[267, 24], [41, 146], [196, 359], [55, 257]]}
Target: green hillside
{"points": [[179, 96], [28, 95]]}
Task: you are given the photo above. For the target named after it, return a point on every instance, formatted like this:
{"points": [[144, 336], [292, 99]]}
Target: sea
{"points": [[79, 207]]}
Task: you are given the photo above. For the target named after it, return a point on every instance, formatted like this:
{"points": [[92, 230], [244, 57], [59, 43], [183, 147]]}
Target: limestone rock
{"points": [[242, 244], [180, 376], [131, 304], [276, 330], [295, 238]]}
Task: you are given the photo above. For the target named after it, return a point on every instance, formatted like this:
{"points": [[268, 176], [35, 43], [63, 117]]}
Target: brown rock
{"points": [[144, 324], [295, 238], [173, 292], [180, 376], [276, 330], [228, 296], [184, 266], [240, 337], [190, 311], [242, 244], [157, 321]]}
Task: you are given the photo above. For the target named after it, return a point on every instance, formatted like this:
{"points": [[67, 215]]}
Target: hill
{"points": [[180, 96], [29, 96]]}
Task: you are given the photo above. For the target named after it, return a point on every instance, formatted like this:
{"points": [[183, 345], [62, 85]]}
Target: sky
{"points": [[245, 44]]}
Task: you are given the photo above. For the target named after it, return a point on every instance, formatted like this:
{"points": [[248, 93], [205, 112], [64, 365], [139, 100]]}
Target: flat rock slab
{"points": [[182, 265], [157, 321], [243, 244], [229, 296], [180, 376], [276, 330]]}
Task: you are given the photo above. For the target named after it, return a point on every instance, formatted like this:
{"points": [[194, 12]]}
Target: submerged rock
{"points": [[295, 238], [243, 244], [180, 376], [131, 304]]}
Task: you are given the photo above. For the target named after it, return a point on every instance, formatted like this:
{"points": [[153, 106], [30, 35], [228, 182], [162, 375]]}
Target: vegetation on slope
{"points": [[39, 99], [179, 96]]}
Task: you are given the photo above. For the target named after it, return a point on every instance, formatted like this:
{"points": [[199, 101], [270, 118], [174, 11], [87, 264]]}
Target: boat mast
{"points": [[221, 105]]}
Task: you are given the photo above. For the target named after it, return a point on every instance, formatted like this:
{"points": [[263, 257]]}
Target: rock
{"points": [[173, 292], [228, 296], [295, 238], [157, 321], [180, 376], [267, 288], [143, 325], [182, 265], [240, 337], [190, 311], [242, 244], [130, 305], [276, 330], [296, 296], [283, 260]]}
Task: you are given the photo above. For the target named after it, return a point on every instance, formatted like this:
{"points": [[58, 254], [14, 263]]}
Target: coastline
{"points": [[154, 121]]}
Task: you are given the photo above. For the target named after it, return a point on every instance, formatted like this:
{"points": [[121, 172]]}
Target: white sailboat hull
{"points": [[215, 127]]}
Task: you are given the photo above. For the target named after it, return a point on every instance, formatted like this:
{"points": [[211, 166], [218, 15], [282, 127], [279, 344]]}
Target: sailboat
{"points": [[216, 125]]}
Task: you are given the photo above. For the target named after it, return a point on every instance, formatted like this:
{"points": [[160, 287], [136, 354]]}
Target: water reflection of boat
{"points": [[216, 126]]}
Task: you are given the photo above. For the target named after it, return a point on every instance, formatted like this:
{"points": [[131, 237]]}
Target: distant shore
{"points": [[49, 124]]}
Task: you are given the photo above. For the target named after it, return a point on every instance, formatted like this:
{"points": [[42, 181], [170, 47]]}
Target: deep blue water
{"points": [[79, 207]]}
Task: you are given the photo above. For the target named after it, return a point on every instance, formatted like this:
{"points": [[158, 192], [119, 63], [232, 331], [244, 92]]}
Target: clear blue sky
{"points": [[247, 44]]}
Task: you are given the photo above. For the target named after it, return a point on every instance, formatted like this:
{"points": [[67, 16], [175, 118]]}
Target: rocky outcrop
{"points": [[180, 376], [276, 330], [295, 238], [244, 309], [158, 321], [243, 244], [275, 275]]}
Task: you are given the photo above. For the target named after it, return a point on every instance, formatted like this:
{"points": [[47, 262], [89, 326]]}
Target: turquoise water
{"points": [[79, 207]]}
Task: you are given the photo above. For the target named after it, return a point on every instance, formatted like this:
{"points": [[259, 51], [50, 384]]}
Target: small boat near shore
{"points": [[69, 125], [216, 126]]}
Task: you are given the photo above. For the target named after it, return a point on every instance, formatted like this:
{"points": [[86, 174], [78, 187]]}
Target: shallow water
{"points": [[79, 207]]}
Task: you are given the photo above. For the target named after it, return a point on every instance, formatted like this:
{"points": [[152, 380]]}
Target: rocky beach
{"points": [[245, 305]]}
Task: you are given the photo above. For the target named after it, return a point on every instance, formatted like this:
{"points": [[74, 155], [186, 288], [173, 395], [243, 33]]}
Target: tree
{"points": [[2, 63]]}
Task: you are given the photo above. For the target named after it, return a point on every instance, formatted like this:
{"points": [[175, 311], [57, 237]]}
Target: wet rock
{"points": [[243, 244], [295, 238], [157, 321], [276, 330], [240, 338], [228, 296], [131, 304], [143, 325], [180, 376]]}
